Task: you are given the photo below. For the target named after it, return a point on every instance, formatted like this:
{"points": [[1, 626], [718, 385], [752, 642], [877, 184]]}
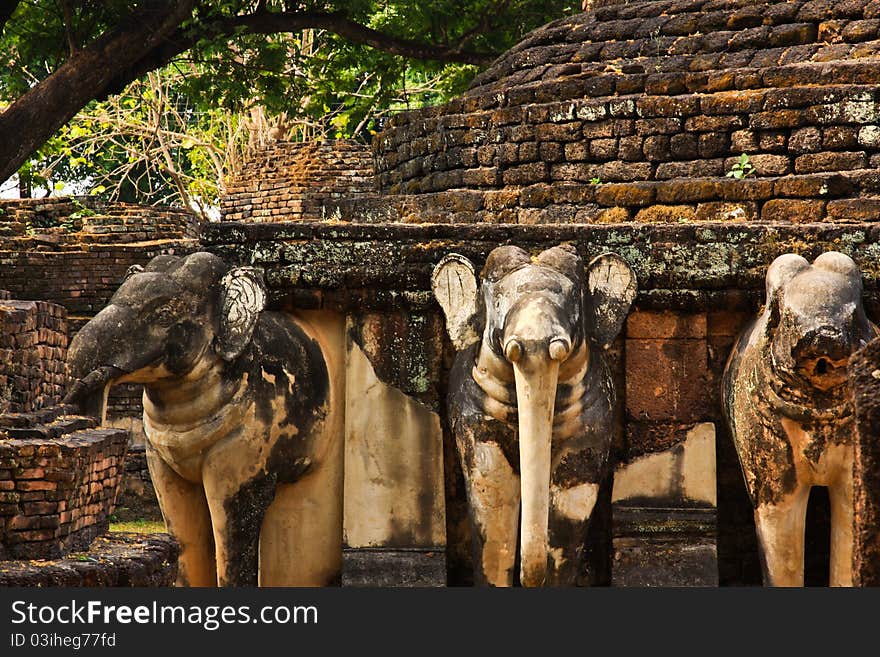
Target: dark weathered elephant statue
{"points": [[242, 413], [786, 399], [531, 401]]}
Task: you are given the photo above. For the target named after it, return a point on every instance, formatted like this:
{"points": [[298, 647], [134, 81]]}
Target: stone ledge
{"points": [[679, 266], [117, 559], [366, 567]]}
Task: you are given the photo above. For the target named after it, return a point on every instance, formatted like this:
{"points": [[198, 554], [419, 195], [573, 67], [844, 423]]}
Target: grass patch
{"points": [[138, 526]]}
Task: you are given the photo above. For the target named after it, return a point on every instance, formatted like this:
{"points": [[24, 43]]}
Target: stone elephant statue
{"points": [[786, 399], [531, 401], [242, 415]]}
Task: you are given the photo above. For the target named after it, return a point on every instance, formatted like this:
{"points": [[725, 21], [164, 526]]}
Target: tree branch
{"points": [[486, 22], [68, 27], [269, 23], [151, 40], [273, 23]]}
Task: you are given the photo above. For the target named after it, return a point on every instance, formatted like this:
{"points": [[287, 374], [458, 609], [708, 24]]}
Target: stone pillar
{"points": [[664, 496], [394, 508], [865, 376]]}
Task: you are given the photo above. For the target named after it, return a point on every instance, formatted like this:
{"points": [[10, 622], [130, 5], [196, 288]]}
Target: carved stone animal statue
{"points": [[786, 399], [531, 401], [242, 414]]}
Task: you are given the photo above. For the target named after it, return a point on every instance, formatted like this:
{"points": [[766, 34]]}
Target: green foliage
{"points": [[742, 168], [311, 83], [596, 180]]}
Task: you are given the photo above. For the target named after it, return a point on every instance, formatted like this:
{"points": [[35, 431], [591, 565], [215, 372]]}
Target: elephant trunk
{"points": [[97, 357], [536, 397], [89, 394]]}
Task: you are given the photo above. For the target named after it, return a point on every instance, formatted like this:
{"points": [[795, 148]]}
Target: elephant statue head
{"points": [[815, 318], [161, 322], [241, 416], [531, 340]]}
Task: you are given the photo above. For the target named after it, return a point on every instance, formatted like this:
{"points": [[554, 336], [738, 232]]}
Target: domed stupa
{"points": [[657, 111]]}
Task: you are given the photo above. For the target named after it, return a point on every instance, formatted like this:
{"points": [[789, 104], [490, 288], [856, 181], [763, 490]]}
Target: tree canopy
{"points": [[337, 61]]}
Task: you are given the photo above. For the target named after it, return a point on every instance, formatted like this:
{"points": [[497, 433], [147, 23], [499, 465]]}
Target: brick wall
{"points": [[75, 253], [59, 477], [33, 355], [295, 181], [80, 277]]}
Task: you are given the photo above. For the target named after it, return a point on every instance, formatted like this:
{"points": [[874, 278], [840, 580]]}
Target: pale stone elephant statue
{"points": [[242, 413], [531, 401], [787, 402]]}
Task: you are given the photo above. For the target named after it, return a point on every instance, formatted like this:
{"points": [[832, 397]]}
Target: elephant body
{"points": [[531, 402], [788, 406], [484, 420], [242, 415]]}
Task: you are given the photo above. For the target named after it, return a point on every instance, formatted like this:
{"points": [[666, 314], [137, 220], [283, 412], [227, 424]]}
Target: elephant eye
{"points": [[164, 316]]}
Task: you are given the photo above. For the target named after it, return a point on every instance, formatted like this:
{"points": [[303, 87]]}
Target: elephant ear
{"points": [[454, 284], [779, 274], [242, 299], [612, 286], [131, 271]]}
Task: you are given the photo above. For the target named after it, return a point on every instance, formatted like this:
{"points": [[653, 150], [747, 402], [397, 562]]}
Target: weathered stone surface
{"points": [[677, 388], [713, 265], [681, 476], [659, 325], [115, 559], [664, 547], [865, 381], [389, 567], [394, 457]]}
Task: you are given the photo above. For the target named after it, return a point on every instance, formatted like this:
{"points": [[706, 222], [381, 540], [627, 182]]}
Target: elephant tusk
{"points": [[559, 349], [513, 350]]}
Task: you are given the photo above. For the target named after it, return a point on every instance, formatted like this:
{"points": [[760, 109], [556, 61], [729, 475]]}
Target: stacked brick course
{"points": [[79, 262], [58, 482], [73, 252], [295, 181], [659, 99], [33, 355], [94, 220]]}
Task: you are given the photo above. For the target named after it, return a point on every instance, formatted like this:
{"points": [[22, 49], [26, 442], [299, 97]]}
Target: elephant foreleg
{"points": [[841, 497], [237, 512], [188, 519], [780, 530], [494, 494], [570, 510]]}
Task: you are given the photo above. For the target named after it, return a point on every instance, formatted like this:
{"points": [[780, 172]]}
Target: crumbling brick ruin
{"points": [[74, 252], [59, 476], [33, 354], [298, 181]]}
